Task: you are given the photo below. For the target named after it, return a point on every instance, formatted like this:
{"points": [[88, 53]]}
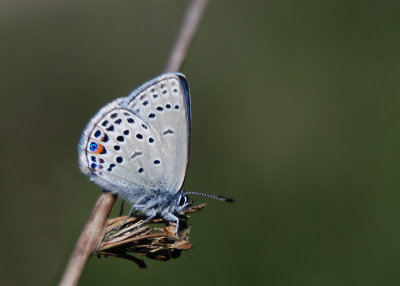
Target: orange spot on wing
{"points": [[100, 149]]}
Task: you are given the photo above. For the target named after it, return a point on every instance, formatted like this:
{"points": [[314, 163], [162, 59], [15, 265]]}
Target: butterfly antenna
{"points": [[219, 198]]}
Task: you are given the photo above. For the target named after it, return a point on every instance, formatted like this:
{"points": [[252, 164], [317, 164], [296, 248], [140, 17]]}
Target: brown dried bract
{"points": [[125, 237]]}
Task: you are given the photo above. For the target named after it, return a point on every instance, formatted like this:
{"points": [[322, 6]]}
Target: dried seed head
{"points": [[125, 237]]}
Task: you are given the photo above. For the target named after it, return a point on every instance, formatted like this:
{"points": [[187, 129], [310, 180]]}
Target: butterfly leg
{"points": [[171, 217], [128, 216], [150, 216], [121, 210], [130, 212]]}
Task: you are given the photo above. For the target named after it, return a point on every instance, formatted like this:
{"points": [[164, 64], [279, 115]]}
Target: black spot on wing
{"points": [[97, 133], [111, 167], [168, 131], [137, 153]]}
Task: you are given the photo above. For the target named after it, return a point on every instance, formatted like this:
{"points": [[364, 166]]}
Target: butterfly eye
{"points": [[182, 201]]}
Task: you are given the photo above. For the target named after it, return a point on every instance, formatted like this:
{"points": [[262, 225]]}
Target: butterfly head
{"points": [[181, 202]]}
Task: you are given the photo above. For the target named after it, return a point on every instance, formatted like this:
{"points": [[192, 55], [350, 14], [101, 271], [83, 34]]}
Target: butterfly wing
{"points": [[164, 103], [127, 150]]}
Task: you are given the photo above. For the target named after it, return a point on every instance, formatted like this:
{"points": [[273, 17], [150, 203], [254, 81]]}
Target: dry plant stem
{"points": [[93, 232], [91, 236], [188, 29]]}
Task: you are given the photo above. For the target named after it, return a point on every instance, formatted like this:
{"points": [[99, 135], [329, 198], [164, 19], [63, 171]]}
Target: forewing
{"points": [[164, 104]]}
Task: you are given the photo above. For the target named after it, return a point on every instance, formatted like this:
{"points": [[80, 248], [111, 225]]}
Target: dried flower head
{"points": [[126, 236]]}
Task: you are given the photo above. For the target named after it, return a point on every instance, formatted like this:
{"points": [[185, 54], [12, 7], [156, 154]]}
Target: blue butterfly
{"points": [[138, 147]]}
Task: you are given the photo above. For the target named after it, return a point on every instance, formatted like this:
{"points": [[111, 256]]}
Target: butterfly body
{"points": [[138, 146]]}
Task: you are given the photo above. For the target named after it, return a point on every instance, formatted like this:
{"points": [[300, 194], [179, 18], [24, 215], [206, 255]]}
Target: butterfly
{"points": [[138, 147]]}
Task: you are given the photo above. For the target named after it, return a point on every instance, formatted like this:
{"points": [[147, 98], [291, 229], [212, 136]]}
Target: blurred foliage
{"points": [[295, 114]]}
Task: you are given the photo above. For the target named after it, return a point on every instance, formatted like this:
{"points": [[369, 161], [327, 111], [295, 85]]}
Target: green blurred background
{"points": [[295, 114]]}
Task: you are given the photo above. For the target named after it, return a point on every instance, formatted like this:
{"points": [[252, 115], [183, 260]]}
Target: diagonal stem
{"points": [[188, 29], [91, 236]]}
